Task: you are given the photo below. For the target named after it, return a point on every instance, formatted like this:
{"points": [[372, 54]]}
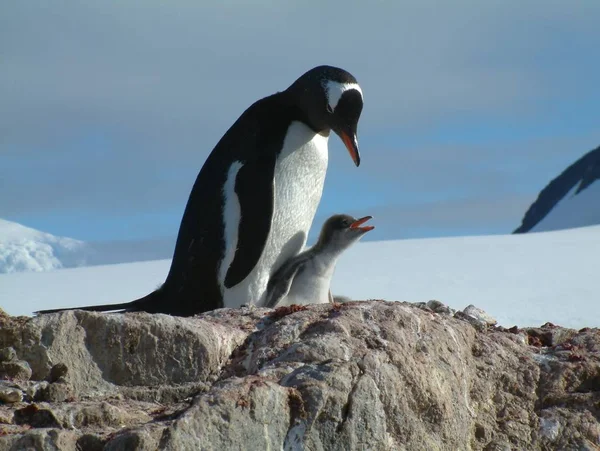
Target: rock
{"points": [[44, 439], [549, 335], [90, 442], [435, 307], [147, 439], [340, 299], [58, 372], [16, 369], [257, 416], [33, 390], [439, 307], [6, 417], [56, 392], [498, 445], [132, 350], [355, 375], [7, 354], [10, 395], [34, 416], [11, 368], [479, 315]]}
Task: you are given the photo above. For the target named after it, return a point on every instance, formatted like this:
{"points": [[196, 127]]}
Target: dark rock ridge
{"points": [[582, 174], [359, 375]]}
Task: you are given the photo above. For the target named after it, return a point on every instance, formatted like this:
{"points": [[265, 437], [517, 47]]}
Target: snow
{"points": [[26, 249], [526, 279], [573, 210]]}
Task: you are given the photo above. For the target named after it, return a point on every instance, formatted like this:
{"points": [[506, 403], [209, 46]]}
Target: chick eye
{"points": [[346, 223]]}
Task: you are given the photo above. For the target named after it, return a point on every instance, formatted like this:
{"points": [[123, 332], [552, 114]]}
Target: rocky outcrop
{"points": [[569, 200], [359, 375]]}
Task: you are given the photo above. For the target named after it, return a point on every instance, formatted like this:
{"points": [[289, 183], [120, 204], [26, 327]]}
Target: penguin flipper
{"points": [[254, 187], [279, 284]]}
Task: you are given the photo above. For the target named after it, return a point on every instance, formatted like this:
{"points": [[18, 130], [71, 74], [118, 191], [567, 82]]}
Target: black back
{"points": [[255, 140]]}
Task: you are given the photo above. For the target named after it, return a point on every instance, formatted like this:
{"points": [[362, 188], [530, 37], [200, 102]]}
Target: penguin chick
{"points": [[306, 278]]}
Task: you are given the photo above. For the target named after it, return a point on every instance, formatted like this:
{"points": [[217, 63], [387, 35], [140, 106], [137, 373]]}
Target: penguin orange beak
{"points": [[352, 145], [359, 222]]}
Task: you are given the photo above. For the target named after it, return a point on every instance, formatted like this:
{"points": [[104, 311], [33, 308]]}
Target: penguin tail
{"points": [[143, 304]]}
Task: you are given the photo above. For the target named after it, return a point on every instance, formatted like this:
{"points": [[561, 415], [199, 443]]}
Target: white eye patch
{"points": [[334, 91]]}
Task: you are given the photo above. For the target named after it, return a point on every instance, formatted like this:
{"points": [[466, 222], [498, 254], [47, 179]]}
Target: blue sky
{"points": [[110, 108]]}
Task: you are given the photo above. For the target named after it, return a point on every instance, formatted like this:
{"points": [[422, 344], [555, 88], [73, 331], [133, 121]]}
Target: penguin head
{"points": [[331, 99], [341, 231]]}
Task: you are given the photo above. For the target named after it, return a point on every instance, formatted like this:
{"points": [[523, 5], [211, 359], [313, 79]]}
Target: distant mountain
{"points": [[25, 249], [570, 200]]}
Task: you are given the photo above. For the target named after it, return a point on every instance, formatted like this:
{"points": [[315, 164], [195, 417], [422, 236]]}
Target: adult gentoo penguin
{"points": [[255, 198], [306, 277]]}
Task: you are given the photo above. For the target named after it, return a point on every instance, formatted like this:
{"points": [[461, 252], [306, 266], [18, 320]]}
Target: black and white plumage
{"points": [[255, 198], [306, 278]]}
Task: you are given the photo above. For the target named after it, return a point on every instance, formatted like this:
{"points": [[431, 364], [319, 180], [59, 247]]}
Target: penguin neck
{"points": [[326, 254], [306, 109]]}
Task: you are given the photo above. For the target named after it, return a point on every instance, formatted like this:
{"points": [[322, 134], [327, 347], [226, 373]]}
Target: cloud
{"points": [[467, 216], [114, 106]]}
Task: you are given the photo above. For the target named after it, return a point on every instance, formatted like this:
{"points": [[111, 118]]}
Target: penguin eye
{"points": [[346, 223]]}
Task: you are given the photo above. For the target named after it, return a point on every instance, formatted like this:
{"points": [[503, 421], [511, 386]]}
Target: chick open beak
{"points": [[359, 222]]}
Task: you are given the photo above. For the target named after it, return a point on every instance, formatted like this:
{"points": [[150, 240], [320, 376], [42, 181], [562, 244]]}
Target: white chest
{"points": [[297, 187], [310, 286]]}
